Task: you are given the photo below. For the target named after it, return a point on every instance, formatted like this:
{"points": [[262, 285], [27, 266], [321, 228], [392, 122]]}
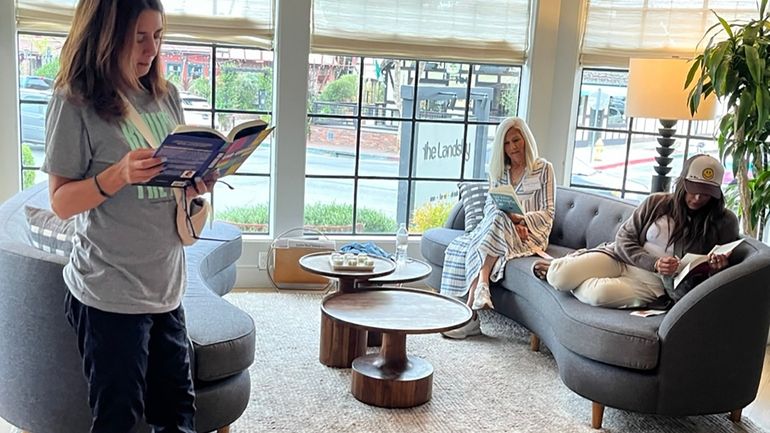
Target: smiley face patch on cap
{"points": [[704, 176]]}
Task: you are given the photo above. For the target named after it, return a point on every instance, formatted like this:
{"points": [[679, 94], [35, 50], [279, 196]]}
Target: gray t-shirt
{"points": [[127, 256]]}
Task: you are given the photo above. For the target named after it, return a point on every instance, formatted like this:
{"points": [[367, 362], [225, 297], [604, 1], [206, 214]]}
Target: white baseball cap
{"points": [[704, 176]]}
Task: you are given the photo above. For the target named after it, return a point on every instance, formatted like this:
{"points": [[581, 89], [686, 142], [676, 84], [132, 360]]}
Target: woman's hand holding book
{"points": [[667, 265], [717, 262]]}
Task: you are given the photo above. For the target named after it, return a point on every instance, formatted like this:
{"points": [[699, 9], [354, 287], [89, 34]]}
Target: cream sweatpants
{"points": [[598, 279]]}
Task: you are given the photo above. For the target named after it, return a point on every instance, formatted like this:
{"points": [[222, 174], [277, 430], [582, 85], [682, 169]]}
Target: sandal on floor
{"points": [[538, 271]]}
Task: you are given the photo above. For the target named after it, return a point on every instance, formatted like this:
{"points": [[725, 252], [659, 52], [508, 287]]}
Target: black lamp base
{"points": [[661, 182]]}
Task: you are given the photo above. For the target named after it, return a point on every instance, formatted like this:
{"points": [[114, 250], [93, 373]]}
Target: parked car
{"points": [[191, 104], [34, 104], [616, 111], [35, 83]]}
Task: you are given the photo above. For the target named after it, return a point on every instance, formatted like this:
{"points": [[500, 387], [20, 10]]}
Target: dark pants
{"points": [[136, 365]]}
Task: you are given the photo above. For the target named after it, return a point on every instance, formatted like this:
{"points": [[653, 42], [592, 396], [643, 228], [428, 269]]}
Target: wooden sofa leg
{"points": [[534, 342], [225, 429], [597, 413], [735, 416]]}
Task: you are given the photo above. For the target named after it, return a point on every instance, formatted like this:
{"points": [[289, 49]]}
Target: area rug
{"points": [[492, 383]]}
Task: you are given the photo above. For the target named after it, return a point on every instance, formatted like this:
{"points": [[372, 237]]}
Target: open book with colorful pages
{"points": [[505, 199], [200, 152], [698, 263]]}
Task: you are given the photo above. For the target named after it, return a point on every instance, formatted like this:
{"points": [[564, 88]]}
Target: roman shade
{"points": [[616, 30], [241, 22], [479, 30]]}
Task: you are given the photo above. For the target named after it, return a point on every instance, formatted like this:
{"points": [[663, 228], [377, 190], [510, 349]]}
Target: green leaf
{"points": [[762, 8], [692, 105], [724, 25], [720, 80], [744, 107], [696, 64], [752, 60]]}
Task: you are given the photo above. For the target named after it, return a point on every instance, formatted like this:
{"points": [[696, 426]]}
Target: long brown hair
{"points": [[690, 226], [96, 56]]}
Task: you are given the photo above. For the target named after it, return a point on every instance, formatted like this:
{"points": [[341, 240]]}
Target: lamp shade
{"points": [[656, 90]]}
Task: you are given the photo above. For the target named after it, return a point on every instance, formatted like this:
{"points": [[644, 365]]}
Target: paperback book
{"points": [[698, 263], [200, 152], [506, 200]]}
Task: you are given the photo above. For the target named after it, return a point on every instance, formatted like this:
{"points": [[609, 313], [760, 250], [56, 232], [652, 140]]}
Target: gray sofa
{"points": [[44, 390], [704, 356]]}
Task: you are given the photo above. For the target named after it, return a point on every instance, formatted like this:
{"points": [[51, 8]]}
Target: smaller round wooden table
{"points": [[391, 378], [340, 344], [411, 271]]}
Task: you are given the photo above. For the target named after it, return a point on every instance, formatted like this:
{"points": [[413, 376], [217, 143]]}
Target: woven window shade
{"points": [[241, 22], [616, 30], [477, 30]]}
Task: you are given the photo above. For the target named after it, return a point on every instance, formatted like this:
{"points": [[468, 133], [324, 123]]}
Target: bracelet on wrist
{"points": [[99, 187]]}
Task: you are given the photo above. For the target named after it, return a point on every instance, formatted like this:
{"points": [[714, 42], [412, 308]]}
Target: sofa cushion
{"points": [[473, 195], [49, 232], [585, 219], [434, 243], [607, 335], [222, 347]]}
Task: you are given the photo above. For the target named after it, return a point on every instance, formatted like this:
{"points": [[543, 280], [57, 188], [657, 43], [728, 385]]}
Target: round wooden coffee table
{"points": [[341, 344], [411, 271], [391, 378]]}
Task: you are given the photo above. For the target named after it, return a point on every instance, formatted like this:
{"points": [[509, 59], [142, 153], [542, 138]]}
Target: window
{"points": [[389, 139], [615, 154], [404, 98], [238, 79]]}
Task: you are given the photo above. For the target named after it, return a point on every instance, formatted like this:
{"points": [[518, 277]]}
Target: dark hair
{"points": [[96, 54], [690, 226]]}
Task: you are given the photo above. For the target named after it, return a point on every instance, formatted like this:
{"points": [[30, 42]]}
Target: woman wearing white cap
{"points": [[666, 226]]}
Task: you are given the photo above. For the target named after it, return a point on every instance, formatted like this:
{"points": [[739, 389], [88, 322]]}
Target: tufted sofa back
{"points": [[584, 219]]}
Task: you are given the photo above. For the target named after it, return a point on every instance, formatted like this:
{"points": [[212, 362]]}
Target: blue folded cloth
{"points": [[365, 247]]}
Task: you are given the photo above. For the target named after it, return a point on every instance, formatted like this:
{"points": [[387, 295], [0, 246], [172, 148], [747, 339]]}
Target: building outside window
{"points": [[389, 139]]}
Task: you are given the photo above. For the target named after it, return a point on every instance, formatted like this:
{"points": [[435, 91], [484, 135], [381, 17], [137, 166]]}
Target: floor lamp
{"points": [[656, 90]]}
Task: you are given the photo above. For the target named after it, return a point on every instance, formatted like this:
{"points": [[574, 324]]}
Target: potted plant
{"points": [[736, 69]]}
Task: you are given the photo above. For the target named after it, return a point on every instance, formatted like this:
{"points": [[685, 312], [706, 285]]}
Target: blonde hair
{"points": [[499, 159], [96, 56]]}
